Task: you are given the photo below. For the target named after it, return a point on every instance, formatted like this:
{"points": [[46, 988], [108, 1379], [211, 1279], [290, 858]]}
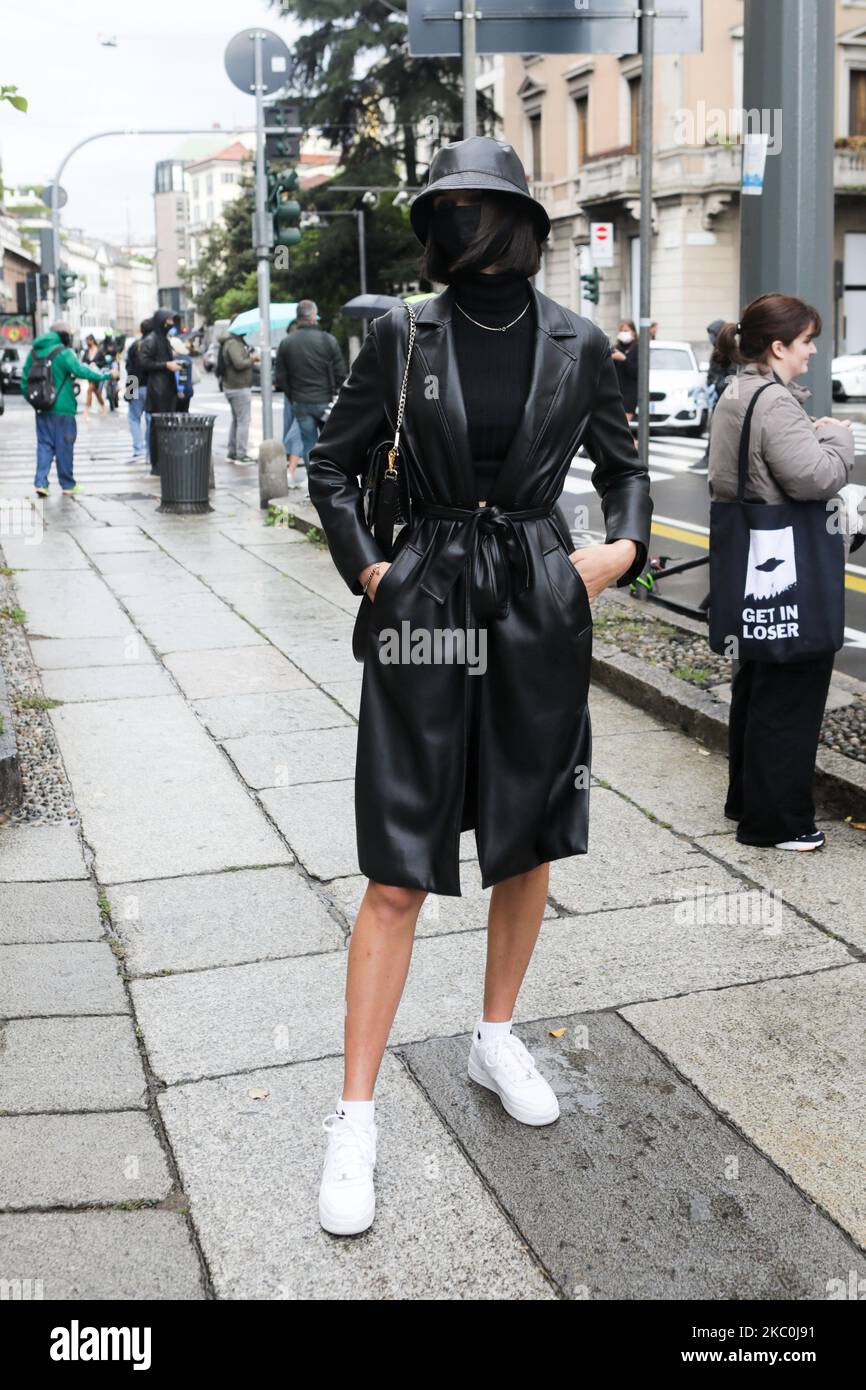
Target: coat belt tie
{"points": [[497, 547]]}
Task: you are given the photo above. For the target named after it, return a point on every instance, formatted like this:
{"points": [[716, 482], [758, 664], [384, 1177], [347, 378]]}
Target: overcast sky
{"points": [[166, 71]]}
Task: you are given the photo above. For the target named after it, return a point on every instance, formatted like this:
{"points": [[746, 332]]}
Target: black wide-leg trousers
{"points": [[775, 722]]}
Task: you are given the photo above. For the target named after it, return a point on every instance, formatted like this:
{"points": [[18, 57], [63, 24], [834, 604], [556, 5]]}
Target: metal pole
{"points": [[103, 135], [786, 231], [468, 35], [362, 261], [263, 254], [647, 47]]}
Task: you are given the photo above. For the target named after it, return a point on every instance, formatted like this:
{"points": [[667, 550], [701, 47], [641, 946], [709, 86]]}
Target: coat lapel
{"points": [[435, 346]]}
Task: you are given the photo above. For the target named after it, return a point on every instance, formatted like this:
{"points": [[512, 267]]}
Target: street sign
{"points": [[45, 196], [241, 65], [601, 243], [552, 26]]}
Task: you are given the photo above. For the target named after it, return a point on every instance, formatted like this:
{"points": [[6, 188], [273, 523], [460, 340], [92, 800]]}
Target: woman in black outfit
{"points": [[503, 386], [625, 356]]}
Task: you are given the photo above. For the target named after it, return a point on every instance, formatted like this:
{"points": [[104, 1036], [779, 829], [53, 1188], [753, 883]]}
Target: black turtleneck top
{"points": [[495, 368]]}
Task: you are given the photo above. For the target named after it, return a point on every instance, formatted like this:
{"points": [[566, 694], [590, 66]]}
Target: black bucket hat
{"points": [[480, 163]]}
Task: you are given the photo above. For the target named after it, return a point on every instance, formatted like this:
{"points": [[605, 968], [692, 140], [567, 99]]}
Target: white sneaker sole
{"points": [[517, 1112], [346, 1226], [800, 849]]}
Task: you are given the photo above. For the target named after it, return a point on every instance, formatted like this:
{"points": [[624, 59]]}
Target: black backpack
{"points": [[41, 391], [220, 368]]}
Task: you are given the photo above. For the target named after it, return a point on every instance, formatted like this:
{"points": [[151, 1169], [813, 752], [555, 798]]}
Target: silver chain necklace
{"points": [[499, 328]]}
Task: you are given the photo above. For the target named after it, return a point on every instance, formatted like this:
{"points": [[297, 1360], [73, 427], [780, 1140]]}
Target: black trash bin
{"points": [[184, 452]]}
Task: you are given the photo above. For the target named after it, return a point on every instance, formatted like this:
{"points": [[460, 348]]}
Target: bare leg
{"points": [[513, 924], [379, 956]]}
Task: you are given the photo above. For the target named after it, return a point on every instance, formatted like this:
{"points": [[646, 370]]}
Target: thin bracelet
{"points": [[375, 570]]}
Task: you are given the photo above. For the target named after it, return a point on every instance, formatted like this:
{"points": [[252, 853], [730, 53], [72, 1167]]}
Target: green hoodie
{"points": [[64, 367]]}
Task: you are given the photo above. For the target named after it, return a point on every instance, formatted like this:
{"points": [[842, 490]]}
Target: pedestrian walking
{"points": [[506, 385], [777, 703], [624, 353], [310, 370], [93, 355], [293, 441], [237, 379], [135, 392], [48, 383], [158, 366]]}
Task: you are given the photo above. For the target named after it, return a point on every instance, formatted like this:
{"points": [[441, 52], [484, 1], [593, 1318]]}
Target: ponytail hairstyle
{"points": [[768, 318]]}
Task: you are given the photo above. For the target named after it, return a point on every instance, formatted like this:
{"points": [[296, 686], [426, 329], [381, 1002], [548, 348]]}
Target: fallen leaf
{"points": [[257, 1093], [556, 1032]]}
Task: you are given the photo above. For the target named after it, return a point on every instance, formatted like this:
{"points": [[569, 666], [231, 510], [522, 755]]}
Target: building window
{"points": [[634, 88], [195, 188], [210, 183], [581, 107], [228, 178], [857, 102], [210, 212], [535, 145]]}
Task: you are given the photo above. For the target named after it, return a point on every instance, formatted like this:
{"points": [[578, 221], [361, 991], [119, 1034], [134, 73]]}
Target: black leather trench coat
{"points": [[493, 569]]}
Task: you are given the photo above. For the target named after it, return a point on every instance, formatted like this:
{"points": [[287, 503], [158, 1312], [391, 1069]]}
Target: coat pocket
{"points": [[568, 585], [391, 588]]}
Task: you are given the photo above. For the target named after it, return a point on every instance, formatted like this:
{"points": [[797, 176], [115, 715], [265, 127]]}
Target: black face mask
{"points": [[455, 226]]}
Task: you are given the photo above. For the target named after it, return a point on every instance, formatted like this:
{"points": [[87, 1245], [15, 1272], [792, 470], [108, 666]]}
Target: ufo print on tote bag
{"points": [[771, 570]]}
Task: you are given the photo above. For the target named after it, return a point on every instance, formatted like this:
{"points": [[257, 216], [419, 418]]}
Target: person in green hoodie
{"points": [[56, 429]]}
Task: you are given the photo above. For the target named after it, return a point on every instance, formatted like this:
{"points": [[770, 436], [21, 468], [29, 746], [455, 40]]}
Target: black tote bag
{"points": [[777, 574]]}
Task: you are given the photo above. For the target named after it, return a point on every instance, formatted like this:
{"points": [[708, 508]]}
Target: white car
{"points": [[677, 398], [849, 375]]}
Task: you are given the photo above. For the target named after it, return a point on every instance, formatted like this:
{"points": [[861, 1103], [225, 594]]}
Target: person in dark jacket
{"points": [[476, 630], [158, 368], [624, 354], [717, 376], [293, 441], [309, 370], [135, 393]]}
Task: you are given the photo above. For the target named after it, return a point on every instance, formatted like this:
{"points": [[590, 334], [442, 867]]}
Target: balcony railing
{"points": [[678, 168]]}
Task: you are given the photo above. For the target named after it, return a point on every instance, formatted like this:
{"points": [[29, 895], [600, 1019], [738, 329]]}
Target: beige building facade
{"points": [[574, 119]]}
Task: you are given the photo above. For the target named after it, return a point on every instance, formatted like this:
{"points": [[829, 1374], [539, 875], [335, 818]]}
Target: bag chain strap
{"points": [[391, 471]]}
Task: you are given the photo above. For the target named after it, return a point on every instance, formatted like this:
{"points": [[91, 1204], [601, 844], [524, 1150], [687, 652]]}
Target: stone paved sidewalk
{"points": [[172, 972]]}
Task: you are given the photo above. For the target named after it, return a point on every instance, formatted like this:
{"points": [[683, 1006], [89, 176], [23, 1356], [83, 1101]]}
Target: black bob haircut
{"points": [[522, 252]]}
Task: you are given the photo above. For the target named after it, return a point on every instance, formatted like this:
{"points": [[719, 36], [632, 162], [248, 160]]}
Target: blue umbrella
{"points": [[250, 322]]}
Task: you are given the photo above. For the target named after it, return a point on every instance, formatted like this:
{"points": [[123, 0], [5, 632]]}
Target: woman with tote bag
{"points": [[777, 559]]}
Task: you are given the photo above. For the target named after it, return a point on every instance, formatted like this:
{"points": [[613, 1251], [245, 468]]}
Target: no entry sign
{"points": [[601, 243]]}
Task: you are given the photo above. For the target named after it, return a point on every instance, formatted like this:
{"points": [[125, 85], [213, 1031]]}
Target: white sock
{"points": [[489, 1032], [361, 1110]]}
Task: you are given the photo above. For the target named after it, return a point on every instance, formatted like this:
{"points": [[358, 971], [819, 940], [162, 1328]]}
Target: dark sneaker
{"points": [[815, 840]]}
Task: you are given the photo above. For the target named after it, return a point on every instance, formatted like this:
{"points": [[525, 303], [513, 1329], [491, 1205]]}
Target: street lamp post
{"points": [[55, 187]]}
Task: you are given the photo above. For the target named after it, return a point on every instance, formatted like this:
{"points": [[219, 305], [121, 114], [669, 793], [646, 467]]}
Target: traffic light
{"points": [[285, 207], [66, 279], [282, 132], [590, 283]]}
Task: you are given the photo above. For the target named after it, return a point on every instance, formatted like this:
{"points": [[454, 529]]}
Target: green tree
{"points": [[352, 65]]}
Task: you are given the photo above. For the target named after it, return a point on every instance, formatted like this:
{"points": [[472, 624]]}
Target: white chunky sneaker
{"points": [[507, 1067], [347, 1200]]}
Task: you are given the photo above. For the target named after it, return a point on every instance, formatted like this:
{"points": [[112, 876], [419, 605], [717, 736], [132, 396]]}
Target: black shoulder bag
{"points": [[387, 500]]}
